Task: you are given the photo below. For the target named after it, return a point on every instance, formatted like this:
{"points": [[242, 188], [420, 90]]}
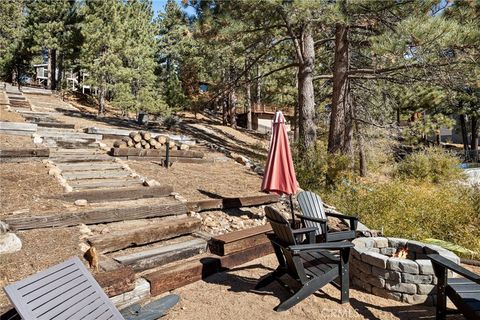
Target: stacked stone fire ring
{"points": [[375, 269]]}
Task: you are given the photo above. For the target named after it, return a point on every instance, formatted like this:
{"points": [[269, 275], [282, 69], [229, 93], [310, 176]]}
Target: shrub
{"points": [[415, 210], [318, 168], [431, 164]]}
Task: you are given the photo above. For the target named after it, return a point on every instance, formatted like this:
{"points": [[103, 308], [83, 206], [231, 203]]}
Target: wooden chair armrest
{"points": [[321, 246], [304, 230], [448, 264]]}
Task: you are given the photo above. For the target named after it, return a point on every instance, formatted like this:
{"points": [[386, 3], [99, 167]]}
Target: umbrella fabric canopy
{"points": [[279, 176]]}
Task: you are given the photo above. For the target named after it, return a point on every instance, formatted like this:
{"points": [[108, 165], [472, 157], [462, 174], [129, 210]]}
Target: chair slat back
{"points": [[64, 291], [280, 226], [311, 205]]}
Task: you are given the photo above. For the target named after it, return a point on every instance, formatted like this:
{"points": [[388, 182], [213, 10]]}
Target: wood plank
{"points": [[17, 153], [103, 183], [159, 231], [58, 125], [244, 256], [68, 135], [163, 255], [128, 193], [18, 126], [16, 132], [95, 216], [103, 174], [117, 281], [92, 166], [238, 240], [154, 153], [201, 266], [80, 158], [231, 203], [182, 273]]}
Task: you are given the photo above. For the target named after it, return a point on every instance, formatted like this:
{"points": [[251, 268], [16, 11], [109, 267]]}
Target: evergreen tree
{"points": [[103, 41]]}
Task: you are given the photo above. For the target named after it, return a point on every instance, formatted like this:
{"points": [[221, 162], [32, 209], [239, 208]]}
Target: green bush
{"points": [[432, 164], [319, 168], [417, 211]]}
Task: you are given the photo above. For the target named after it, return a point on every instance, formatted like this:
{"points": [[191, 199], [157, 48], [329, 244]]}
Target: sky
{"points": [[159, 5]]}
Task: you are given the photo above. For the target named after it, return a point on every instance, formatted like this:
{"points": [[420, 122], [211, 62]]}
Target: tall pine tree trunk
{"points": [[463, 126], [101, 98], [475, 137], [232, 104], [259, 89], [306, 101], [341, 119], [249, 106], [362, 158], [224, 110], [52, 64]]}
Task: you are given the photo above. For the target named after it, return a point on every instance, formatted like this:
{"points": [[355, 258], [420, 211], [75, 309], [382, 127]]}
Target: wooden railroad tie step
{"points": [[231, 203], [90, 166], [103, 174], [159, 231], [95, 216], [103, 183], [80, 158], [162, 255], [118, 194], [18, 153], [239, 240], [200, 267], [117, 281]]}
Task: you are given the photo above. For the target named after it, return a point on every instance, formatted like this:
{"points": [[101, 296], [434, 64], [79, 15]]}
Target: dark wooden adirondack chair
{"points": [[314, 215], [463, 292], [311, 265]]}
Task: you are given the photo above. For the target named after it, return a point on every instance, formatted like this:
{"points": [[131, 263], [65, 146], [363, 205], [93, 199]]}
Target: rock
{"points": [[426, 288], [151, 183], [3, 227], [401, 287], [67, 188], [416, 278], [375, 259], [37, 140], [81, 202], [425, 266], [403, 265], [9, 243], [386, 274], [54, 172], [418, 299]]}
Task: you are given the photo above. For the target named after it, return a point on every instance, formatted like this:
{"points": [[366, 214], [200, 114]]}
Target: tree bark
{"points": [[306, 101], [475, 137], [249, 107], [259, 88], [232, 104], [463, 125], [52, 64], [340, 133], [362, 159], [101, 99], [224, 110]]}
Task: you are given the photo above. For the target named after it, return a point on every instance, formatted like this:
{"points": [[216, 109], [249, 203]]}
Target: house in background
{"points": [[262, 116]]}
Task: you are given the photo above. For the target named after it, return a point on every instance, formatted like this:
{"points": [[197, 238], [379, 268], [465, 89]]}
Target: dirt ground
{"points": [[203, 181], [26, 188], [231, 295]]}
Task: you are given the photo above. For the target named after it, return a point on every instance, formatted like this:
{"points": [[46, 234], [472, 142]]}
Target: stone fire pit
{"points": [[374, 269]]}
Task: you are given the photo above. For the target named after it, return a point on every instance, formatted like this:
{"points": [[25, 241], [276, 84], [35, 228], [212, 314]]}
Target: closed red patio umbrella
{"points": [[279, 176]]}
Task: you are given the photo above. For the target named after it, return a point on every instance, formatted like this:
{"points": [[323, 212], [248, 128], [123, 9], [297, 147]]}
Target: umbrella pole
{"points": [[293, 213]]}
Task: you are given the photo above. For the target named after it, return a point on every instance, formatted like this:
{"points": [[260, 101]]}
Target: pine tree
{"points": [[103, 40]]}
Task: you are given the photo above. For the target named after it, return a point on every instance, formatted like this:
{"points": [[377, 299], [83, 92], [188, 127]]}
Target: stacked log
{"points": [[144, 140]]}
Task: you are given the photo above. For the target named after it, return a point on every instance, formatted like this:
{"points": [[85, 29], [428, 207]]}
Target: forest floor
{"points": [[27, 189]]}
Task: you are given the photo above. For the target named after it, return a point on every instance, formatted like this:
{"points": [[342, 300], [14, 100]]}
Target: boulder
{"points": [[9, 243]]}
